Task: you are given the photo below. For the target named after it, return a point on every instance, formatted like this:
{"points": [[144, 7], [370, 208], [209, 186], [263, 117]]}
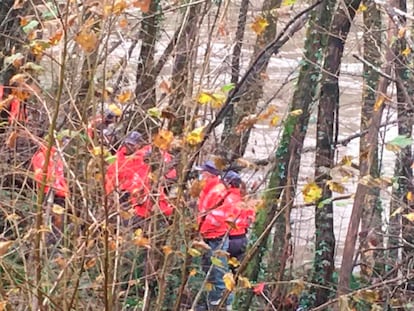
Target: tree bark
{"points": [[366, 164], [284, 174]]}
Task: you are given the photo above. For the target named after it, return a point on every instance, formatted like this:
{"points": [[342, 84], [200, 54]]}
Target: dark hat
{"points": [[232, 178], [208, 166], [134, 138]]}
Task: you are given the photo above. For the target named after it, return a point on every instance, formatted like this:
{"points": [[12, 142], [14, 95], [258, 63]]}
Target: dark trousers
{"points": [[237, 246]]}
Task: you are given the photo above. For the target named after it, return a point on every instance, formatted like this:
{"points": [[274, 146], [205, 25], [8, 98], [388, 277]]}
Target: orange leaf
{"points": [[144, 5], [163, 139], [87, 40], [259, 25], [90, 263], [11, 140], [123, 23], [23, 21], [165, 87], [53, 40], [124, 96]]}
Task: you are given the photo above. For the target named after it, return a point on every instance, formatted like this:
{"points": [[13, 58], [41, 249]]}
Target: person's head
{"points": [[208, 169], [232, 178], [133, 141]]}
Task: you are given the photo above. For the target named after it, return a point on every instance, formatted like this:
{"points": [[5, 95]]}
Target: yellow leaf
{"points": [[194, 252], [259, 25], [57, 209], [216, 261], [193, 272], [401, 32], [379, 102], [244, 282], [90, 263], [296, 112], [392, 148], [97, 151], [409, 216], [124, 96], [311, 192], [115, 110], [234, 262], [195, 137], [118, 7], [204, 98], [346, 160], [163, 139], [4, 246], [274, 121], [335, 187], [167, 250], [406, 51], [208, 287], [288, 2], [229, 281], [362, 8], [87, 40], [396, 212], [410, 196], [218, 100]]}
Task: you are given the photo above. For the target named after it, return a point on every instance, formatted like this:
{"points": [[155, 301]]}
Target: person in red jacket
{"points": [[129, 175], [245, 217], [56, 187], [217, 207]]}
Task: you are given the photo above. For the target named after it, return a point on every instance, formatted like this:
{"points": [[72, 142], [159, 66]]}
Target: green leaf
{"points": [[217, 262], [154, 112], [30, 26], [401, 141], [324, 202], [32, 66], [111, 159], [228, 87]]}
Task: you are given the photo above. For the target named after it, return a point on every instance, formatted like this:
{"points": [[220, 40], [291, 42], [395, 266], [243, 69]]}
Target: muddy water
{"points": [[264, 138]]}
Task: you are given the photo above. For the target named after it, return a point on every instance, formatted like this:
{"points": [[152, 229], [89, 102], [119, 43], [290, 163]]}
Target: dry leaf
{"points": [[167, 250], [401, 32], [56, 37], [57, 209], [60, 261], [335, 186], [3, 305], [193, 272], [379, 102], [90, 263], [87, 40], [409, 216], [259, 25], [362, 7], [244, 282], [123, 23], [208, 287], [144, 5], [229, 281], [4, 246], [11, 140], [296, 113], [165, 87], [124, 96], [233, 261], [410, 196], [163, 139], [311, 192], [274, 121], [406, 51], [200, 245]]}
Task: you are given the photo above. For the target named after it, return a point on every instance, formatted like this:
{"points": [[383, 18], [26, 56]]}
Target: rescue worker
{"points": [[217, 207], [56, 188], [246, 216], [129, 175], [16, 109]]}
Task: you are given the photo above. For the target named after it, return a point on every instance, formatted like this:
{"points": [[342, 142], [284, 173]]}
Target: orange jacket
{"points": [[217, 208], [246, 216], [55, 176]]}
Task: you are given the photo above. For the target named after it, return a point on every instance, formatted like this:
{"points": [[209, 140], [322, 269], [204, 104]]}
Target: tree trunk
{"points": [[145, 80], [182, 75], [233, 142], [285, 171], [365, 168], [371, 220]]}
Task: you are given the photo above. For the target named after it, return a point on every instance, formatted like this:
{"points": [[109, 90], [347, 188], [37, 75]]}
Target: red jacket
{"points": [[245, 217], [55, 177], [131, 174], [217, 208]]}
